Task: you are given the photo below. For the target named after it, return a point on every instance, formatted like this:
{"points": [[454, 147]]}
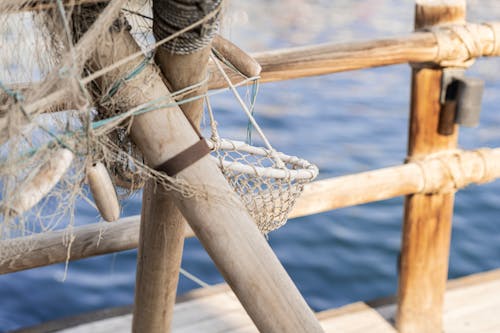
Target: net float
{"points": [[38, 186], [103, 192]]}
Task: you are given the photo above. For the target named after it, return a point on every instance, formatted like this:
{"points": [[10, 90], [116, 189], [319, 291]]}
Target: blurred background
{"points": [[345, 123]]}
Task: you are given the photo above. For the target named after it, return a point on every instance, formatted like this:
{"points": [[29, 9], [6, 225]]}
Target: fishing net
{"points": [[267, 181], [73, 77], [267, 188]]}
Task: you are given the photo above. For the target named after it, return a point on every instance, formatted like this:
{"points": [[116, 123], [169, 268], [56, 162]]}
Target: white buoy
{"points": [[49, 174], [103, 192]]}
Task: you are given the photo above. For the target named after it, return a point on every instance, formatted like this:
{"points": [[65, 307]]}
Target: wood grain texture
{"points": [[427, 219], [181, 71], [429, 13], [158, 261], [312, 60], [90, 240], [162, 225], [286, 64], [221, 222], [242, 61]]}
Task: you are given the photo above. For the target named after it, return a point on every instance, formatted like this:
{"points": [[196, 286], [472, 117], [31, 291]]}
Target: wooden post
{"points": [[161, 240], [427, 219], [162, 225], [216, 214]]}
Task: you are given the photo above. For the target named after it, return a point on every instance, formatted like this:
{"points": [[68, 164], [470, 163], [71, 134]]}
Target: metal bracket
{"points": [[469, 99], [460, 98], [449, 75]]}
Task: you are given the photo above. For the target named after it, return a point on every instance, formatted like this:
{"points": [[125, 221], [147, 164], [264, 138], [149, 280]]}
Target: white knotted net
{"points": [[267, 189]]}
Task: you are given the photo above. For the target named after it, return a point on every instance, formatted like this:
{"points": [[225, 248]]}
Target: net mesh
{"points": [[73, 75], [267, 189]]}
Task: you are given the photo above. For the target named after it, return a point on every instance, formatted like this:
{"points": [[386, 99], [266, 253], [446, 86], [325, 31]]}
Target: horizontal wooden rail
{"points": [[285, 64], [439, 173], [299, 62], [441, 46]]}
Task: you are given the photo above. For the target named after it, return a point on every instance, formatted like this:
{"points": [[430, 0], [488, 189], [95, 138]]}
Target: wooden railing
{"points": [[430, 176], [429, 179]]}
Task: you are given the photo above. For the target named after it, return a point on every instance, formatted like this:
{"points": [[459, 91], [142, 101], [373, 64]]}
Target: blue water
{"points": [[345, 123]]}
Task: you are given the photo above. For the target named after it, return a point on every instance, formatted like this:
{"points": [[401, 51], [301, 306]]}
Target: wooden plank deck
{"points": [[472, 304]]}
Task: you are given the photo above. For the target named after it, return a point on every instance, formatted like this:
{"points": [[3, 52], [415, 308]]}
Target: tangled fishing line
{"points": [[67, 106]]}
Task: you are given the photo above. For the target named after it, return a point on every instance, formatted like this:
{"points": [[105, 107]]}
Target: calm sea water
{"points": [[345, 123]]}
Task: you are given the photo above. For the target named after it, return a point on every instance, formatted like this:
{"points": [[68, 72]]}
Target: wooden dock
{"points": [[471, 305]]}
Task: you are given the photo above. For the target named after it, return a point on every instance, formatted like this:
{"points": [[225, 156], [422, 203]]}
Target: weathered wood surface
{"points": [[242, 61], [31, 251], [427, 219], [311, 60], [298, 62], [442, 173], [216, 214], [418, 47], [471, 305], [319, 196], [159, 258], [162, 225]]}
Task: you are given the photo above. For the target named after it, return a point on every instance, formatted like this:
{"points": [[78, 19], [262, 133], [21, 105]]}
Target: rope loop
{"points": [[172, 16], [432, 183], [459, 169], [474, 41], [488, 174], [451, 54], [495, 45]]}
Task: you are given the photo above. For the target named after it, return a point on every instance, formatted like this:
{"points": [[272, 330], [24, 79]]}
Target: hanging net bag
{"points": [[268, 182], [267, 188]]}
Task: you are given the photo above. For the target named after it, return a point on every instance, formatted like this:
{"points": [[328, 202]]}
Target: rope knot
{"points": [[450, 170], [453, 54], [458, 45]]}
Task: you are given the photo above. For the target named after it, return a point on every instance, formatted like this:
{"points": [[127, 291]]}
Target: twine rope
{"points": [[172, 16], [267, 181], [488, 170], [495, 29], [105, 124], [473, 44], [159, 103], [452, 162], [150, 48], [272, 151]]}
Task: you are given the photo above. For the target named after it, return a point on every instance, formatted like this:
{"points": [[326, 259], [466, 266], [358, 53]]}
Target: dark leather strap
{"points": [[185, 158]]}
